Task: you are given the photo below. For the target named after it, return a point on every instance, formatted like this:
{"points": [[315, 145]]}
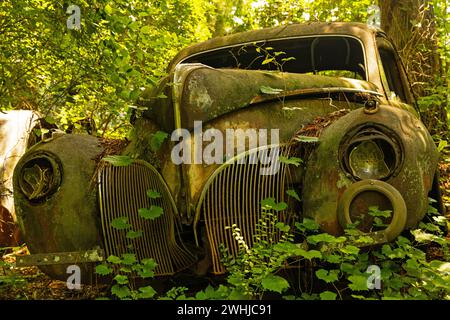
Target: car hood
{"points": [[202, 93]]}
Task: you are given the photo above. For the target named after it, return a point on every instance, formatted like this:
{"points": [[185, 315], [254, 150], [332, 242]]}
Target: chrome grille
{"points": [[234, 196], [122, 192]]}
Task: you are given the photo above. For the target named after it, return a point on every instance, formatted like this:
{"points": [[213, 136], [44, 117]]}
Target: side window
{"points": [[390, 72]]}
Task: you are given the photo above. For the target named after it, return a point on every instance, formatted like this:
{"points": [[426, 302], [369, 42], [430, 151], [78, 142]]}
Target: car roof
{"points": [[356, 29]]}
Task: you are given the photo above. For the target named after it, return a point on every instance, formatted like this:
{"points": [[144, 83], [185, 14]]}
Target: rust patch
{"points": [[111, 147], [315, 128]]}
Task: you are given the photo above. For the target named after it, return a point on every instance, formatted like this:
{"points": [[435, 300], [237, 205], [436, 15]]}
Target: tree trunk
{"points": [[411, 26]]}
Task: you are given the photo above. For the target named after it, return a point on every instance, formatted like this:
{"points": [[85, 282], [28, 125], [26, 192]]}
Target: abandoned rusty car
{"points": [[342, 85]]}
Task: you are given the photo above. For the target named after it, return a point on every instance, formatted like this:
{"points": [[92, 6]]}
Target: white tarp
{"points": [[15, 129]]}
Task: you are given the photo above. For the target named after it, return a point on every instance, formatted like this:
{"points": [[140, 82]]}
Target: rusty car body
{"points": [[341, 83]]}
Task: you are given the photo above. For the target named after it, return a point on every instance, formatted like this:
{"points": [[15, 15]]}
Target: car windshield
{"points": [[325, 55]]}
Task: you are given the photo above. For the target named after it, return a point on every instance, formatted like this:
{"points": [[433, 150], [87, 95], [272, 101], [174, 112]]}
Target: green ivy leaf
{"points": [[282, 227], [325, 237], [131, 234], [307, 296], [149, 263], [348, 268], [118, 161], [213, 294], [290, 161], [275, 283], [126, 269], [288, 59], [358, 283], [311, 254], [375, 212], [328, 295], [327, 276], [151, 213], [120, 291], [422, 236], [128, 258], [50, 120], [266, 61], [108, 9], [307, 224], [121, 279], [147, 292], [145, 273], [293, 194], [120, 223], [103, 269], [152, 194], [333, 258], [146, 30], [287, 247], [350, 250], [157, 140], [270, 203], [114, 259], [364, 240], [146, 268], [442, 145]]}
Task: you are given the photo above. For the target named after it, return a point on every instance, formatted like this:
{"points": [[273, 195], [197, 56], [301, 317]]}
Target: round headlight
{"points": [[39, 176], [366, 161], [371, 152]]}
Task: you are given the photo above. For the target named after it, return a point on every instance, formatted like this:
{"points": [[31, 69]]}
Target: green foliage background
{"points": [[123, 47]]}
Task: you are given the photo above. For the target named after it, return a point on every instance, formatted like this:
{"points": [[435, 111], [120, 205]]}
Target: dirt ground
{"points": [[31, 284]]}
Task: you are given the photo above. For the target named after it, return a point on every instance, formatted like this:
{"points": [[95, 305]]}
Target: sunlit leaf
{"points": [[327, 276], [290, 161], [152, 194], [131, 234], [151, 213], [120, 223], [269, 203], [121, 279], [358, 283], [114, 259], [147, 292], [328, 295], [157, 140], [103, 269], [120, 291], [275, 283]]}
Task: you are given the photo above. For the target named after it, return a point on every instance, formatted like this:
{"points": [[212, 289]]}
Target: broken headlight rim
{"points": [[399, 210], [40, 176], [371, 151]]}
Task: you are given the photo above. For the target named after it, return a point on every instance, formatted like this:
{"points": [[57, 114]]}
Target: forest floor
{"points": [[32, 284]]}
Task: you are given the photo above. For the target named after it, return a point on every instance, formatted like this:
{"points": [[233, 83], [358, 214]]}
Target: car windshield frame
{"points": [[270, 41]]}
